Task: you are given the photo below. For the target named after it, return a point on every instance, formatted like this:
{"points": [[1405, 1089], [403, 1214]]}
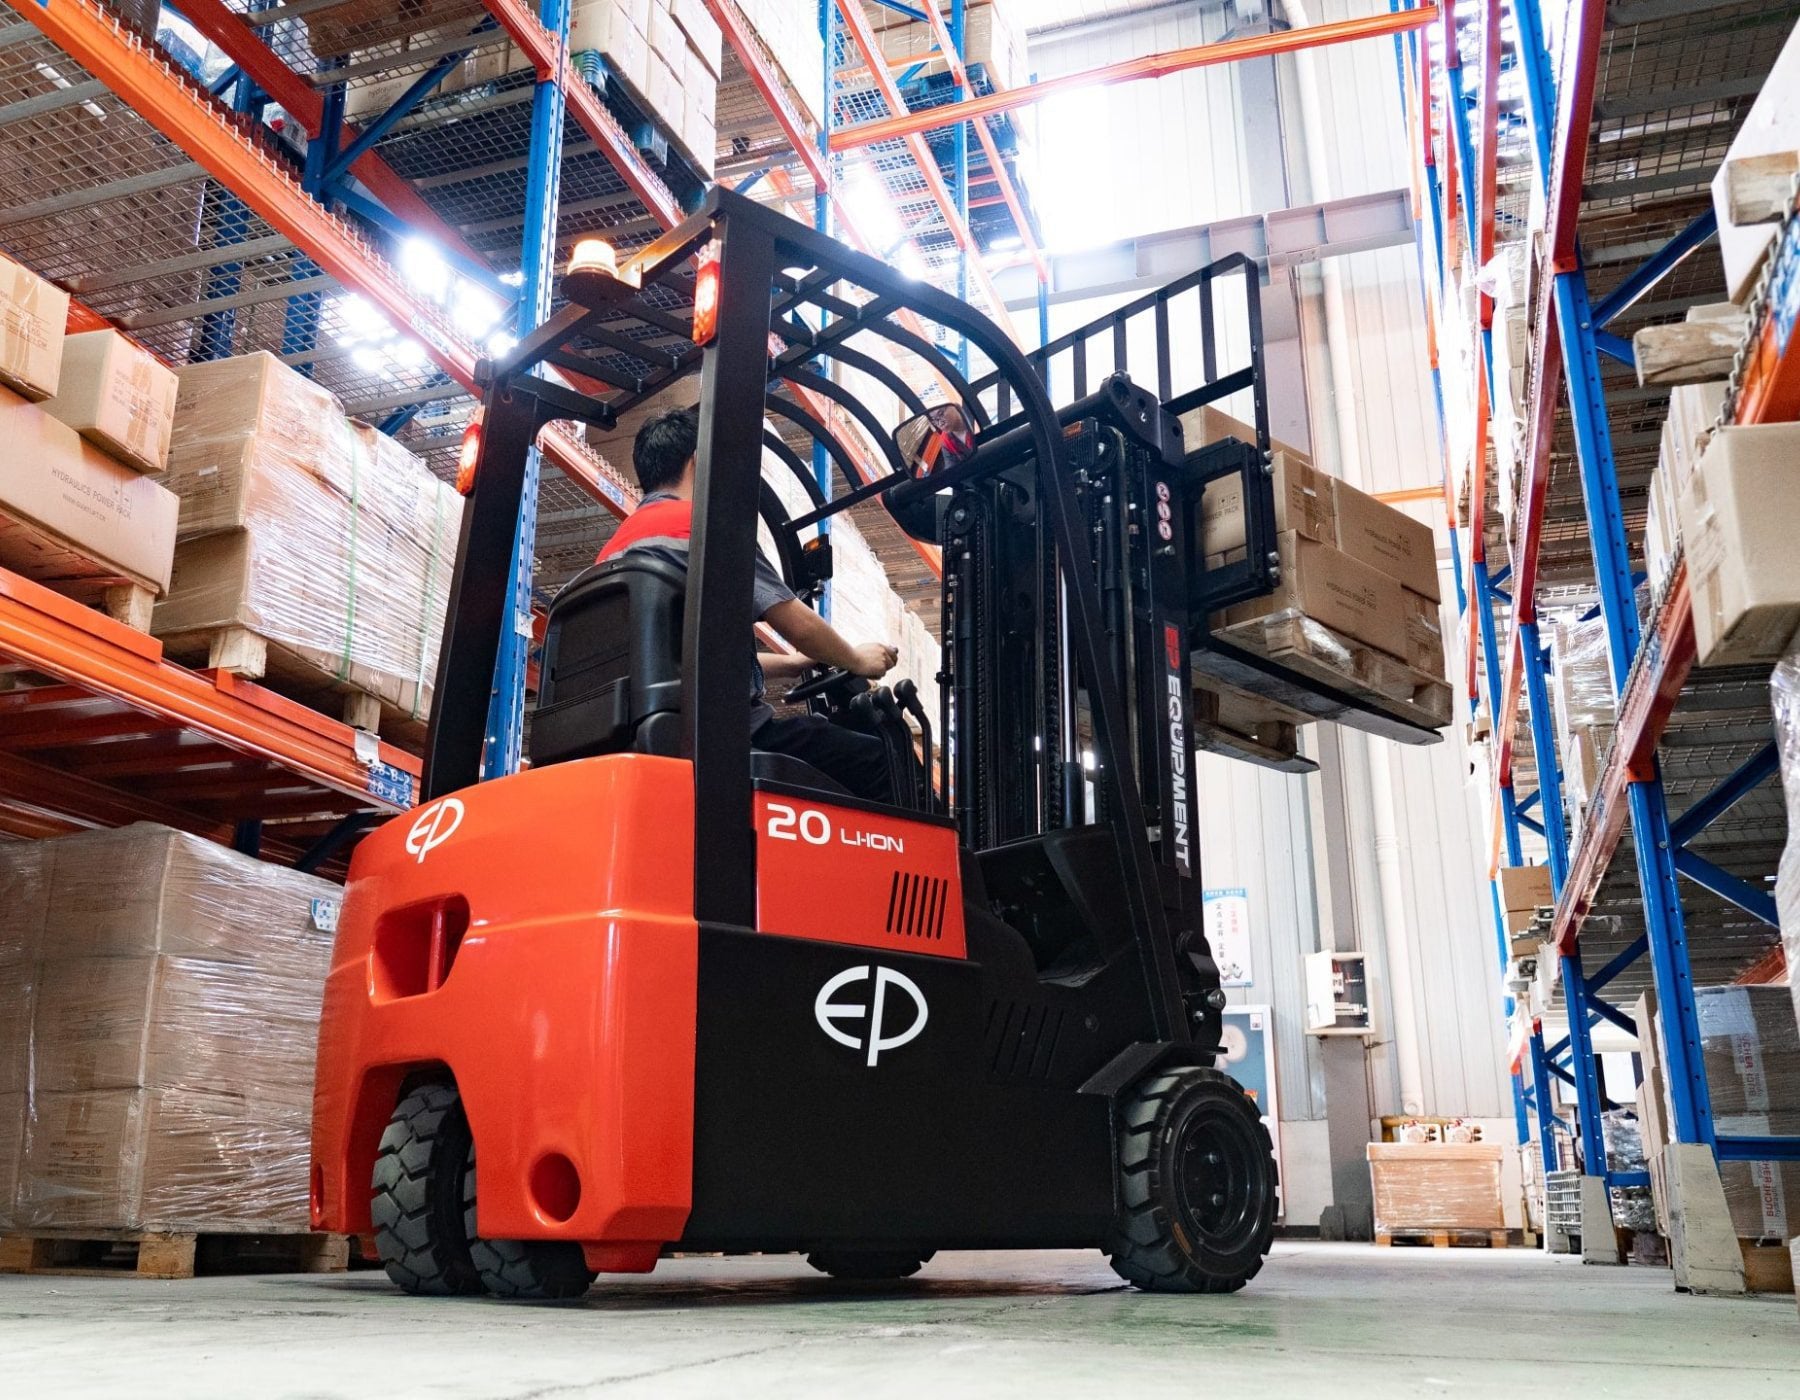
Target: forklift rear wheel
{"points": [[418, 1194], [543, 1269], [869, 1263], [1197, 1186]]}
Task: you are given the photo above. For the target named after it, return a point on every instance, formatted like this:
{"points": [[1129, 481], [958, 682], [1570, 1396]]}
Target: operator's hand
{"points": [[873, 660]]}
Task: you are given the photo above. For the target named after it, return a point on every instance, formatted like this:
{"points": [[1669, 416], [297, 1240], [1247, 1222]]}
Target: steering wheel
{"points": [[826, 680]]}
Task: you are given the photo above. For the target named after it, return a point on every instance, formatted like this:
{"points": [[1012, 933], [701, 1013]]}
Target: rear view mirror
{"points": [[934, 440]]}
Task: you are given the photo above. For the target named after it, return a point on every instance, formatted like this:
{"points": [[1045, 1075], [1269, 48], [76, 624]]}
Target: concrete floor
{"points": [[1322, 1320]]}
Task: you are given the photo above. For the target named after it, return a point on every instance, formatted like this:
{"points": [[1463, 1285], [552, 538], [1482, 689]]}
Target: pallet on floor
{"points": [[1443, 1239], [150, 1254], [290, 672]]}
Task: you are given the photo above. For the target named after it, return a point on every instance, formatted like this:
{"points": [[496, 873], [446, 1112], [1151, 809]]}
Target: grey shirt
{"points": [[767, 591]]}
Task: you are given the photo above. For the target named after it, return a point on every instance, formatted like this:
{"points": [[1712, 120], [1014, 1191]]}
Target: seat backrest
{"points": [[610, 679]]}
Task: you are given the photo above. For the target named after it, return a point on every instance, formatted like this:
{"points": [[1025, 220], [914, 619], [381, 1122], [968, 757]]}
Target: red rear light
{"points": [[706, 298], [468, 458]]}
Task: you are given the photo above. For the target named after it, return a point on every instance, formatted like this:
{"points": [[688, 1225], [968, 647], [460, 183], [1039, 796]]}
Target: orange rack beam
{"points": [[99, 729]]}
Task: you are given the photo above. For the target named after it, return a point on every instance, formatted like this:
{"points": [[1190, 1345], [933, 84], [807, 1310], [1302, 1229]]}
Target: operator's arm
{"points": [[783, 665], [818, 639]]}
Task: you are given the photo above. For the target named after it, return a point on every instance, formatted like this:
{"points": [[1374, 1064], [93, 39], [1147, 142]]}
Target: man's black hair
{"points": [[662, 448]]}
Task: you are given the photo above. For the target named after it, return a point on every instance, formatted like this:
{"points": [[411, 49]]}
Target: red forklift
{"points": [[661, 991]]}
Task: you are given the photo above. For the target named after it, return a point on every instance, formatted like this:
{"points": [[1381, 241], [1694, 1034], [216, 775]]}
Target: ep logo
{"points": [[433, 826], [826, 1011]]}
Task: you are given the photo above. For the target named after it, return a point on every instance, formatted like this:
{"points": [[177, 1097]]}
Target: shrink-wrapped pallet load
{"points": [[174, 990], [327, 544]]}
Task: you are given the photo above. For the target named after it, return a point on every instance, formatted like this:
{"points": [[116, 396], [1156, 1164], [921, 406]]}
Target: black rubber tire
{"points": [[1197, 1185], [418, 1187], [552, 1270], [869, 1264]]}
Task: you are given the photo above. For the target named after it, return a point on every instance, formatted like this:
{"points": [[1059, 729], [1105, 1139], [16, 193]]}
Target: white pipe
{"points": [[1395, 934]]}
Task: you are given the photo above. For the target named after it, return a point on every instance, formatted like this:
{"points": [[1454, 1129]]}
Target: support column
{"points": [[506, 709]]}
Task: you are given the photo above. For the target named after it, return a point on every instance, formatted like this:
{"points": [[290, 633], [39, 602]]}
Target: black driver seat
{"points": [[610, 678]]}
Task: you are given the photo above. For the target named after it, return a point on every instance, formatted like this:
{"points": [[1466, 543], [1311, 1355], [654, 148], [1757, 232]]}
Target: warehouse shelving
{"points": [[1624, 126]]}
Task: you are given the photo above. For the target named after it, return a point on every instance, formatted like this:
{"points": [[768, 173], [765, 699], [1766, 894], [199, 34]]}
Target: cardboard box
{"points": [[1304, 503], [1337, 592], [1387, 539], [1436, 1186], [1736, 517], [12, 1150], [33, 313], [702, 33], [666, 38], [1203, 426], [1750, 1046], [25, 896], [143, 889], [164, 1159], [616, 34], [117, 395], [1525, 887], [1771, 126], [18, 997], [1424, 634], [699, 135], [69, 513], [668, 103]]}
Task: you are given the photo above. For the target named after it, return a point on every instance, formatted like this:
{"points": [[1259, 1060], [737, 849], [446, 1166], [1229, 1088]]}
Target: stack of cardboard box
{"points": [[159, 1001], [1584, 707], [789, 32], [1430, 1187], [1750, 1053], [1524, 889], [326, 541], [993, 36], [667, 53], [86, 421], [1358, 592]]}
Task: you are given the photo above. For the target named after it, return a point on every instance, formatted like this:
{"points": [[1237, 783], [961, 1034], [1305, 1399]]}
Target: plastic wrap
{"points": [[170, 1013], [1296, 639], [1436, 1186], [1784, 695], [326, 539]]}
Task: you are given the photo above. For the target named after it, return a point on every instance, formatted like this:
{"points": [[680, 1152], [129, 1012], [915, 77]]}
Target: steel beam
{"points": [[1155, 65]]}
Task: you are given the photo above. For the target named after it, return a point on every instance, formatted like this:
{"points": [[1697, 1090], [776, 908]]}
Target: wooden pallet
{"points": [[1768, 1268], [245, 653], [1443, 1239], [1383, 682], [144, 1254]]}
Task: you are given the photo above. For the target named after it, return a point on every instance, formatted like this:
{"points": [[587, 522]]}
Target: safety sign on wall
{"points": [[1227, 923]]}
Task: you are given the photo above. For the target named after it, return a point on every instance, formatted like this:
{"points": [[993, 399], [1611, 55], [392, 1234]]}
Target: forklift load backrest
{"points": [[610, 680]]}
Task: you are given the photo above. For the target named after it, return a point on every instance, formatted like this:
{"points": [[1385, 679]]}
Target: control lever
{"points": [[907, 693], [900, 746]]}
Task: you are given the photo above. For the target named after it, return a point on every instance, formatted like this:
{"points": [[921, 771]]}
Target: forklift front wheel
{"points": [[418, 1187], [1197, 1185]]}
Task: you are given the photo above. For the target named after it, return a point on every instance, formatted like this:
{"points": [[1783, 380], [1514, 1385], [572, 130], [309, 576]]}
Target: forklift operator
{"points": [[663, 457]]}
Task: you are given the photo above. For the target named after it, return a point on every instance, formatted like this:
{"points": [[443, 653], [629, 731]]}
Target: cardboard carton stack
{"points": [[327, 543], [667, 53], [1524, 889], [993, 36], [159, 1000], [1430, 1187], [84, 418], [789, 32], [1750, 1051], [865, 608], [1584, 708], [1358, 594]]}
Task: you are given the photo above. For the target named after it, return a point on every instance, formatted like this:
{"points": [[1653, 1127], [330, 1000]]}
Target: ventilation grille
{"points": [[917, 905], [1021, 1038]]}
